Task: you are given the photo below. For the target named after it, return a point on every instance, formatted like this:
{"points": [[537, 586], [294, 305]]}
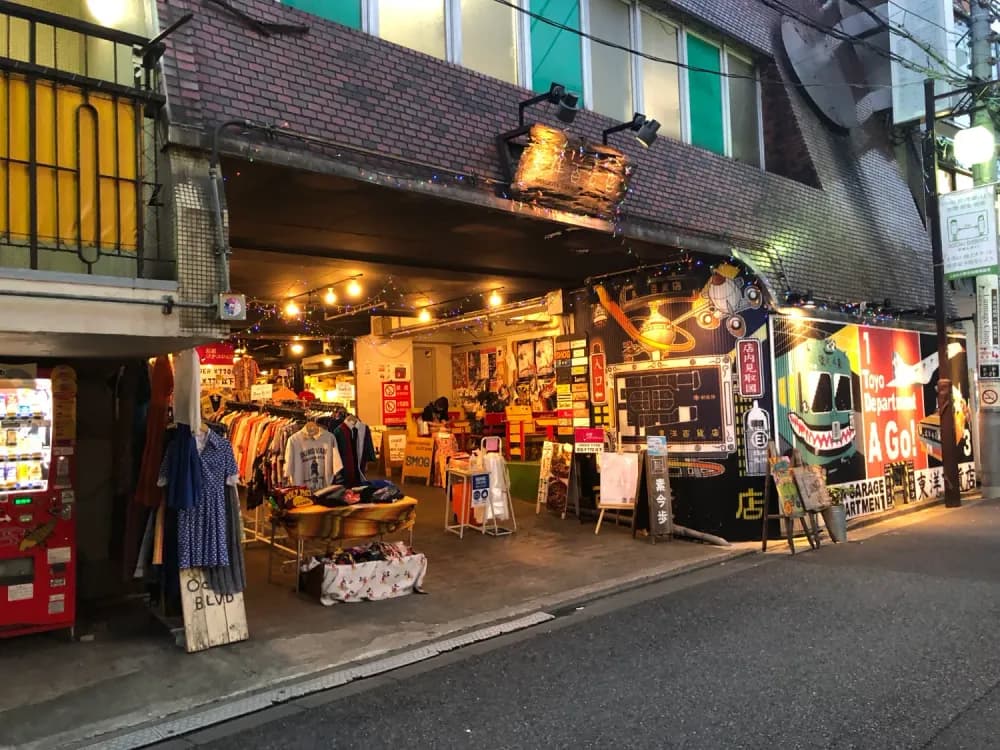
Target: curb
{"points": [[907, 510], [176, 726]]}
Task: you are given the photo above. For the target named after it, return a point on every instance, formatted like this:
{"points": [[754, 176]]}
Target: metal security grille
{"points": [[76, 147]]}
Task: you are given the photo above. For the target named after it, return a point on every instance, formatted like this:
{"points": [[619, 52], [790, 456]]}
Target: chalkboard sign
{"points": [[417, 459]]}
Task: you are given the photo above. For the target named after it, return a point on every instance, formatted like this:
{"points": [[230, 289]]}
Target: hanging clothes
{"points": [[182, 466], [245, 372], [354, 441], [162, 386], [202, 536], [311, 458], [232, 578], [187, 389]]}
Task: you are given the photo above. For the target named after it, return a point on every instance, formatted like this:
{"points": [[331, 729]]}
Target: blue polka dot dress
{"points": [[201, 530]]}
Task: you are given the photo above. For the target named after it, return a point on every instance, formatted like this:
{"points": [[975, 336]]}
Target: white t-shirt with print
{"points": [[312, 462]]}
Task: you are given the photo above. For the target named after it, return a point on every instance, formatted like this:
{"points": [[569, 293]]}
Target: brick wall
{"points": [[859, 237]]}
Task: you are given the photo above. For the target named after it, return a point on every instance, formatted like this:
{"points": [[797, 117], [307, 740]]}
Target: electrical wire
{"points": [[695, 69]]}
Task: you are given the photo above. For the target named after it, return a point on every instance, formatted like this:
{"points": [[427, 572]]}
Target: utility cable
{"points": [[676, 63]]}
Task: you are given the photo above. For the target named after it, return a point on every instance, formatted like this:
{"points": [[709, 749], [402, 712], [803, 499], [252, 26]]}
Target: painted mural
{"points": [[685, 350], [861, 402]]}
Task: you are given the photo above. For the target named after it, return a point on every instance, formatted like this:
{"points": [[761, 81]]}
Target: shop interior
{"points": [[461, 302]]}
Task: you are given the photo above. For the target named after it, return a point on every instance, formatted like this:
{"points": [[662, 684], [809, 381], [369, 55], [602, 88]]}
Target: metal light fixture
{"points": [[557, 94], [974, 145], [645, 130], [331, 297]]}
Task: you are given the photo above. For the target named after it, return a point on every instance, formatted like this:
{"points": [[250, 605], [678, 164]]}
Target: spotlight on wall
{"points": [[331, 297], [645, 130], [292, 309], [354, 289], [557, 94], [107, 12]]}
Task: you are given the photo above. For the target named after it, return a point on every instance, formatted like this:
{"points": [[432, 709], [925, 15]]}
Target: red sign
{"points": [[749, 366], [216, 354], [892, 396], [598, 383], [397, 400]]}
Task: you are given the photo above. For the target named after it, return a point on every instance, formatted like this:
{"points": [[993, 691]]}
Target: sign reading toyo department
{"points": [[969, 232]]}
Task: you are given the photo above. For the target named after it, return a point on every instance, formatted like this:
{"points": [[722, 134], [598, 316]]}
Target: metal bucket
{"points": [[835, 520]]}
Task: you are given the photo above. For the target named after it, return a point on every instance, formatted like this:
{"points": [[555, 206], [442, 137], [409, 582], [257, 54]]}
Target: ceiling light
{"points": [[354, 289], [327, 362], [292, 310], [424, 316], [331, 297], [297, 348], [568, 107], [107, 12], [495, 299]]}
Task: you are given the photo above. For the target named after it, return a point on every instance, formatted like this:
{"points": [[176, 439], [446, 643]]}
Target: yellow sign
{"points": [[418, 458]]}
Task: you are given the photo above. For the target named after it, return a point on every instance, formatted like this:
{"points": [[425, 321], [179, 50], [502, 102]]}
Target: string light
{"points": [[331, 297], [354, 289]]}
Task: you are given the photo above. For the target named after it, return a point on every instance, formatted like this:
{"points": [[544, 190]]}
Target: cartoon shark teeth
{"points": [[821, 441]]}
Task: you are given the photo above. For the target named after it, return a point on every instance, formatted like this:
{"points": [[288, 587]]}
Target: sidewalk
{"points": [[131, 674]]}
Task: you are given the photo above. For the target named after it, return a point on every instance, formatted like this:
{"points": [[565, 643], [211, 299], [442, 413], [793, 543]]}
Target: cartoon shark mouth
{"points": [[821, 441]]}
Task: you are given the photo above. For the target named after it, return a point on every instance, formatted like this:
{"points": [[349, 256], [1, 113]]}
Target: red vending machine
{"points": [[37, 503]]}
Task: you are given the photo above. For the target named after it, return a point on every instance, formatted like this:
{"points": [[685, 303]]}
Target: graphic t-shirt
{"points": [[312, 462]]}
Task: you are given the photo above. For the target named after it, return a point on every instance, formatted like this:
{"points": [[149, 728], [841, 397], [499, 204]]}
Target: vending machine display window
{"points": [[25, 435]]}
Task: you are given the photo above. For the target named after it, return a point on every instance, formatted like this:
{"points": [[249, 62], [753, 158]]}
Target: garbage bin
{"points": [[835, 520]]}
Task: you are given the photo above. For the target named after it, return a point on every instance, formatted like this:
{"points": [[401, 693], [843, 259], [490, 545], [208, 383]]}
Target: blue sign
{"points": [[656, 445], [480, 489]]}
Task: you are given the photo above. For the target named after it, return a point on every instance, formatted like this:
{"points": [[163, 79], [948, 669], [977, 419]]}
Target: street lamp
{"points": [[976, 147]]}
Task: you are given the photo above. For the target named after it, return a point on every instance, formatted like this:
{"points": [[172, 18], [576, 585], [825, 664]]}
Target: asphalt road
{"points": [[887, 643]]}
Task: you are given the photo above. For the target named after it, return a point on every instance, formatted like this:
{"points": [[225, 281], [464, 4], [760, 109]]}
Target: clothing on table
{"points": [[245, 372], [354, 442], [312, 459], [162, 386], [202, 536], [232, 578], [187, 389]]}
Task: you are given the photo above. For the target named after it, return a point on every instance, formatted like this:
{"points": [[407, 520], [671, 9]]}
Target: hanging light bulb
{"points": [[297, 348], [331, 297], [424, 316], [327, 362], [292, 310], [495, 299], [354, 289]]}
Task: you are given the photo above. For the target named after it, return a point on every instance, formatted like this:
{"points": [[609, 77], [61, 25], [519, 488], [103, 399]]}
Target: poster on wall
{"points": [[525, 360], [860, 402], [664, 352], [397, 400], [545, 358]]}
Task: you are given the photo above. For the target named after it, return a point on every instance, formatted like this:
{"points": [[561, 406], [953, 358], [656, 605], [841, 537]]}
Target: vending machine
{"points": [[37, 503]]}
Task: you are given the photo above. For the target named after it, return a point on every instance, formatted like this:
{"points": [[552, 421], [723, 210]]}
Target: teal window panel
{"points": [[346, 12], [556, 53], [705, 95]]}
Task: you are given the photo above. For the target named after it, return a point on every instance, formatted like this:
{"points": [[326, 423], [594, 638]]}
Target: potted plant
{"points": [[835, 518]]}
